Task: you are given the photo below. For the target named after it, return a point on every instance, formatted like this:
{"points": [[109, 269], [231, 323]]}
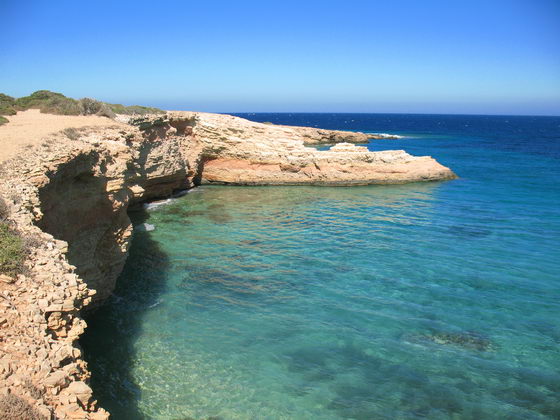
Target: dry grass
{"points": [[14, 407], [35, 392], [71, 133]]}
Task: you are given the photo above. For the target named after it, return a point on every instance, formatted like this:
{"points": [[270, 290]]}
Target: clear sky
{"points": [[418, 56]]}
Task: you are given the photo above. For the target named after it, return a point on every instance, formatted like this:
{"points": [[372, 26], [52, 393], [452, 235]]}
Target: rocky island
{"points": [[67, 183]]}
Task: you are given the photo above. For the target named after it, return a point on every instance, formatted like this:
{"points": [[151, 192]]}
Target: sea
{"points": [[436, 300]]}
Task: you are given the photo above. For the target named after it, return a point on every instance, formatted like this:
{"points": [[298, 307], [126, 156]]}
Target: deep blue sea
{"points": [[422, 301]]}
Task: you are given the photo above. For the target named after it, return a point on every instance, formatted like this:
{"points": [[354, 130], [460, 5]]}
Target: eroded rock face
{"points": [[237, 151], [73, 196], [84, 202], [39, 359]]}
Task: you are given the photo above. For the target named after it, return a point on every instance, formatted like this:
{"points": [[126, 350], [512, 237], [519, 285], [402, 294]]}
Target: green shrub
{"points": [[11, 250], [143, 110], [134, 109], [50, 103], [7, 105], [3, 120], [4, 211], [56, 103]]}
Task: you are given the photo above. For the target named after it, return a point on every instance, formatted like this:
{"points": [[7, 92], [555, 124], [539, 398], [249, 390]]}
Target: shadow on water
{"points": [[109, 341]]}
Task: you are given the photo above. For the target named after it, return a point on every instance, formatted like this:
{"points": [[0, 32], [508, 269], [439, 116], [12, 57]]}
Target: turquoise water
{"points": [[433, 300]]}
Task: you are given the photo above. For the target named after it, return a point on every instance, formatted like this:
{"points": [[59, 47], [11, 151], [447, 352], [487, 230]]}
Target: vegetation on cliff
{"points": [[11, 250], [14, 407], [56, 103], [144, 123], [7, 105], [134, 109], [11, 245], [50, 103]]}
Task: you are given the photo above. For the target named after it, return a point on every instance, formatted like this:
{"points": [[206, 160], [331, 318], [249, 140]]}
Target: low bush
{"points": [[3, 120], [71, 133], [4, 211], [14, 407], [56, 103], [35, 392], [12, 251], [144, 123], [90, 106], [106, 111], [134, 109], [50, 103], [95, 107], [7, 105]]}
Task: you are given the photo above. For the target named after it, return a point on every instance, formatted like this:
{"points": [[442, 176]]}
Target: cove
{"points": [[432, 300], [310, 302]]}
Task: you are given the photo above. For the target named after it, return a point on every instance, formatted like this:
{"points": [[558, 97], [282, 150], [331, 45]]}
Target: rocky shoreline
{"points": [[70, 196]]}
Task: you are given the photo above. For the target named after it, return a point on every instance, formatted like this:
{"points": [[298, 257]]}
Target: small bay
{"points": [[428, 300]]}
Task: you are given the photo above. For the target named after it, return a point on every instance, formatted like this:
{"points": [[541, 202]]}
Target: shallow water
{"points": [[434, 300]]}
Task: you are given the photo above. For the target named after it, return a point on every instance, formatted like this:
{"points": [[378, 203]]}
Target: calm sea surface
{"points": [[430, 300]]}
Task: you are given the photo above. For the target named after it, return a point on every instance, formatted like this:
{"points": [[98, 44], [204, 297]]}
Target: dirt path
{"points": [[31, 126]]}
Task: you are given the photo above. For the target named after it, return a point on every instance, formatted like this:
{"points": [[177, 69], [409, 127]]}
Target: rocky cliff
{"points": [[237, 151], [71, 194]]}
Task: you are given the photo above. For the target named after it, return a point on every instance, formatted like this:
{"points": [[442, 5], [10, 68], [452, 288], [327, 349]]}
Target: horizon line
{"points": [[386, 113]]}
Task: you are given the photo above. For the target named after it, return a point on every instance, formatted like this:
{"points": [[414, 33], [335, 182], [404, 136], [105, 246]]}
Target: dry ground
{"points": [[31, 126]]}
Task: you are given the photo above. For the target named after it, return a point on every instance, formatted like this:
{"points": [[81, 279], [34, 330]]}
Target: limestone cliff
{"points": [[72, 192], [237, 151]]}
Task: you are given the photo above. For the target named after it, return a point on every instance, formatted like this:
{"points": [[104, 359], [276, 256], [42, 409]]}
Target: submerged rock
{"points": [[145, 227], [469, 232], [469, 340]]}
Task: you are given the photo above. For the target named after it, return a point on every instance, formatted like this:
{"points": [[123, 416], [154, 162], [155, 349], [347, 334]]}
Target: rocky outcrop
{"points": [[312, 135], [259, 154], [72, 194]]}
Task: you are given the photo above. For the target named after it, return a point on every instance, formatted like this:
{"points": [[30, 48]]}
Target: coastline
{"points": [[71, 195]]}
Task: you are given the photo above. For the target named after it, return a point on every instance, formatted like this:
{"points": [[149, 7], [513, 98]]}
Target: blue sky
{"points": [[481, 57]]}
